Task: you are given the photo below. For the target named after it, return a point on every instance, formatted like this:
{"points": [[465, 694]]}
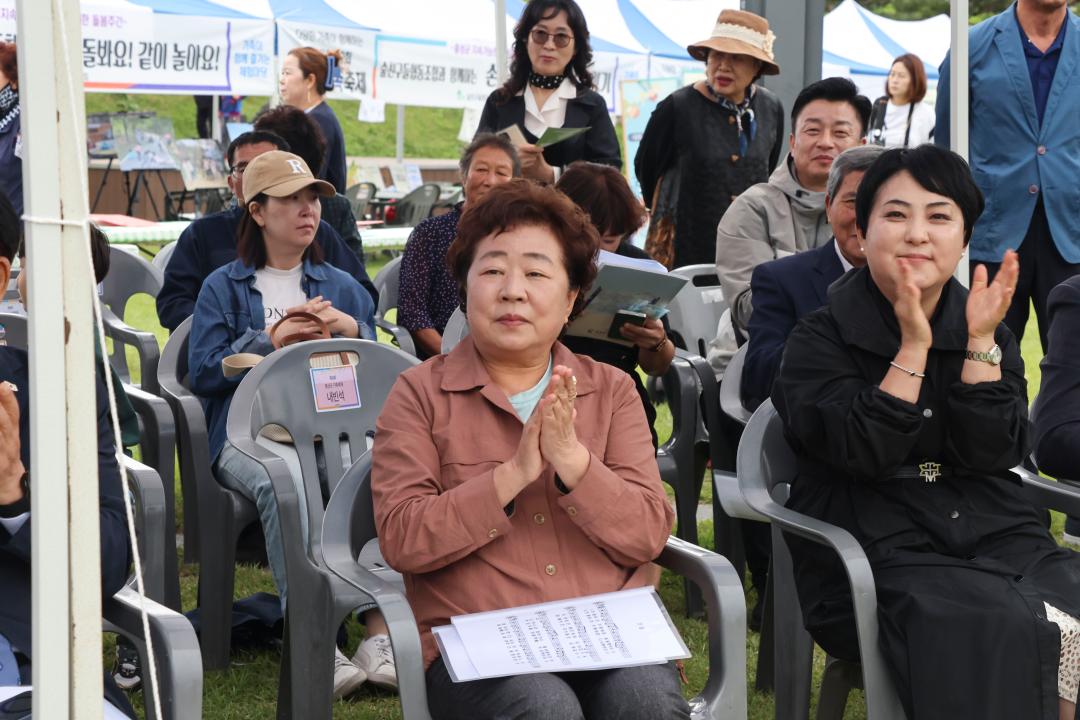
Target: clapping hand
{"points": [[988, 303], [11, 467], [558, 439], [914, 326]]}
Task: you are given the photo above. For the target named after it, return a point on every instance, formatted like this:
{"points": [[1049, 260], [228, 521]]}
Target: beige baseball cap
{"points": [[280, 174]]}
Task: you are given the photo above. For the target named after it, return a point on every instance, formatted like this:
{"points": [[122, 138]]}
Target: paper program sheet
{"points": [[619, 629]]}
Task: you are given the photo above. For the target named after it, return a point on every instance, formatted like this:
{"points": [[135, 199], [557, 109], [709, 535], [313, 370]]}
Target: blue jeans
{"points": [[240, 473], [649, 692]]}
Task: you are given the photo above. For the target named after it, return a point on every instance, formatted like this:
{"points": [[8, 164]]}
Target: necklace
{"points": [[545, 82]]}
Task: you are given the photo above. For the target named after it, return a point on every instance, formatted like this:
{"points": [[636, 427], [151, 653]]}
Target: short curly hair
{"points": [[302, 134], [524, 203]]}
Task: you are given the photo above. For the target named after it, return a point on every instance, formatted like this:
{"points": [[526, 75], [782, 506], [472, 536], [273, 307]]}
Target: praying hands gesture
{"points": [[338, 322], [547, 438]]}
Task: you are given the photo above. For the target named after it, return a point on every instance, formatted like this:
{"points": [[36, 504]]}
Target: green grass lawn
{"points": [[248, 689]]}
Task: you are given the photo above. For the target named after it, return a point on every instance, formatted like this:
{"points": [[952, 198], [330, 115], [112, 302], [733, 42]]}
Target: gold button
{"points": [[572, 511], [538, 518], [492, 532], [550, 569]]}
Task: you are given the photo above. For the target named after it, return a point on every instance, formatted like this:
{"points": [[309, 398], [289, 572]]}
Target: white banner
{"points": [[130, 49], [357, 48], [433, 73]]}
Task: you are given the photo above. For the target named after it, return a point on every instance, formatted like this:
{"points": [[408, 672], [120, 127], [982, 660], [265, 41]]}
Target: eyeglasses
{"points": [[238, 171], [540, 37]]}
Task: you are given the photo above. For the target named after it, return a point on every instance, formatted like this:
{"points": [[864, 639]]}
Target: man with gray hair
{"points": [[784, 290]]}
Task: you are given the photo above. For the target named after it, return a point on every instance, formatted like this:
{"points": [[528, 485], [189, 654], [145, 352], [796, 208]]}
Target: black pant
{"points": [[204, 115], [1041, 269]]}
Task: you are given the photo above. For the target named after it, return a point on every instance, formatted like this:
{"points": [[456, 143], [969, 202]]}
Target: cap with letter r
{"points": [[280, 174]]}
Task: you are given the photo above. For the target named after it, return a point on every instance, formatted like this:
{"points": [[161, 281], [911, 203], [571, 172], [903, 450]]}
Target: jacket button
{"points": [[1041, 150], [550, 569], [1033, 189], [734, 158], [730, 119], [492, 532], [928, 413], [954, 514], [538, 518], [571, 511]]}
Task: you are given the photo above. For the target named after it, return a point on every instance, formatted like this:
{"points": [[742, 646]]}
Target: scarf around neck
{"points": [[747, 122], [9, 106]]}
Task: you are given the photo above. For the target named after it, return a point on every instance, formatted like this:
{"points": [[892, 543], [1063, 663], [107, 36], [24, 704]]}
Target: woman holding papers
{"points": [[905, 402], [708, 142], [603, 193], [511, 471], [551, 89]]}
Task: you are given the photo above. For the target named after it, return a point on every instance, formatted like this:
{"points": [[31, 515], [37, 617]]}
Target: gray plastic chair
{"points": [[457, 327], [695, 312], [417, 205], [278, 390], [349, 527], [214, 516], [388, 283], [359, 195], [161, 259], [175, 645], [731, 391], [130, 275], [766, 467], [157, 443]]}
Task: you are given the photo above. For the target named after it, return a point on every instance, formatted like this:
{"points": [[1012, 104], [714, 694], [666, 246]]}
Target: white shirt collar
{"points": [[843, 260], [553, 114]]}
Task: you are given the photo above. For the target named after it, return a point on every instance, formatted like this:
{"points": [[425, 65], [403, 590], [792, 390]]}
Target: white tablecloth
{"points": [[165, 232]]}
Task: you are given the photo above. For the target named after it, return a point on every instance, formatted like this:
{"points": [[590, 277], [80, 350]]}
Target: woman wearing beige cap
{"points": [[709, 141], [278, 270]]}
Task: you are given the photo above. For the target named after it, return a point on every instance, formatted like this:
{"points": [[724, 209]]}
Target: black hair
{"points": [[833, 89], [251, 244], [10, 229], [936, 169], [521, 67], [99, 253], [294, 126], [255, 137]]}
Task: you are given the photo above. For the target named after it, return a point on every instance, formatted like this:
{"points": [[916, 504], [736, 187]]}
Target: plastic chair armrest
{"points": [[725, 690], [145, 344], [726, 490], [1051, 494], [151, 524], [401, 336]]}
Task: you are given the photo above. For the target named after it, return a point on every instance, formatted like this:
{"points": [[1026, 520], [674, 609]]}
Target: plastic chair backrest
{"points": [[457, 327], [387, 283], [359, 195], [161, 260], [278, 390], [16, 331], [128, 275], [695, 312], [417, 205], [731, 389], [173, 366], [765, 459]]}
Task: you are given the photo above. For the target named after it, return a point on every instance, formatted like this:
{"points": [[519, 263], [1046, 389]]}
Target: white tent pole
{"points": [[215, 119], [399, 141], [500, 40], [66, 547], [959, 63]]}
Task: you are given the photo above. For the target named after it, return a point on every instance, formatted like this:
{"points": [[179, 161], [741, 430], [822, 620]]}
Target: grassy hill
{"points": [[429, 132]]}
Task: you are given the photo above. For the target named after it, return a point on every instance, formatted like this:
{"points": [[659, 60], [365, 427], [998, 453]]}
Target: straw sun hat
{"points": [[740, 33]]}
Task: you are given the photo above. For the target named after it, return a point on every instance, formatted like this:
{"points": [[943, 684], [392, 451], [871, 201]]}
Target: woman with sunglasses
{"points": [[550, 86]]}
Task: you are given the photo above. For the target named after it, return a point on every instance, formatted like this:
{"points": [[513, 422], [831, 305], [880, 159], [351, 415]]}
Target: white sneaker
{"points": [[347, 677], [375, 657]]}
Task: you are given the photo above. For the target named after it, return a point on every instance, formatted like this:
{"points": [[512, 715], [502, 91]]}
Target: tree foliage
{"points": [[920, 9]]}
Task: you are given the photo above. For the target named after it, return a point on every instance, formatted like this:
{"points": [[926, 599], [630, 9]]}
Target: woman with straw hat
{"points": [[709, 141]]}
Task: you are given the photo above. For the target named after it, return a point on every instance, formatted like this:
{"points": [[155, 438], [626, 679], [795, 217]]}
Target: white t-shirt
{"points": [[280, 290], [896, 117]]}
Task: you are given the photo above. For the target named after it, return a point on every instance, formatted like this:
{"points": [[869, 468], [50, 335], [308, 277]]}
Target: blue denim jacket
{"points": [[229, 319]]}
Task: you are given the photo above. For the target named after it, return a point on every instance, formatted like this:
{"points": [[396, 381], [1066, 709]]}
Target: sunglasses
{"points": [[540, 37]]}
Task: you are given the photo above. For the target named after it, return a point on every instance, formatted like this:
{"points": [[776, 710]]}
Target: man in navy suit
{"points": [[15, 521], [1024, 147], [784, 290]]}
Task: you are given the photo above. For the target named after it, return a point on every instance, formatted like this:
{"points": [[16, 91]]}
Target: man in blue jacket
{"points": [[784, 290], [1024, 147], [210, 242]]}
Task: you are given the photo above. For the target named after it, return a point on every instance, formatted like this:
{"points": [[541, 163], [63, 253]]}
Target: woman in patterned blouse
{"points": [[428, 295]]}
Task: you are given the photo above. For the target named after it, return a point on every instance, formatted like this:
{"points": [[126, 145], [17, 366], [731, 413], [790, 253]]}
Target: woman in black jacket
{"points": [[550, 86], [905, 402]]}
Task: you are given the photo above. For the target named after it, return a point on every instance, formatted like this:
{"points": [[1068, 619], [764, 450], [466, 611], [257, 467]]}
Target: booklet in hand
{"points": [[550, 137], [627, 288]]}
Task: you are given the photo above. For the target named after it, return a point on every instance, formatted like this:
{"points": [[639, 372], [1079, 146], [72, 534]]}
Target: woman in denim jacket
{"points": [[278, 270]]}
